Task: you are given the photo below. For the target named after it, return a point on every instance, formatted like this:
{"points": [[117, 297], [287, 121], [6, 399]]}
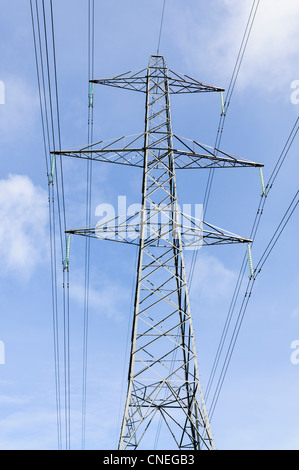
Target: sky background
{"points": [[258, 405]]}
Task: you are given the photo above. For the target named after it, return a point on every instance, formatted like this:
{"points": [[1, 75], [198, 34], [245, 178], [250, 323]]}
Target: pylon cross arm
{"points": [[163, 376], [177, 82], [188, 154], [193, 233]]}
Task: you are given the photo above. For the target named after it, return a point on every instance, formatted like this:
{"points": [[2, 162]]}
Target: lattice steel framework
{"points": [[163, 376]]}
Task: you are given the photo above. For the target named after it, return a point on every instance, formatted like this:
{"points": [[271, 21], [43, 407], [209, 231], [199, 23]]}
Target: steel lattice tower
{"points": [[163, 376]]}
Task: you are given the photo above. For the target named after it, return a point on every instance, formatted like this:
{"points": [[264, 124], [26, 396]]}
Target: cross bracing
{"points": [[138, 81], [187, 154], [163, 377], [194, 233]]}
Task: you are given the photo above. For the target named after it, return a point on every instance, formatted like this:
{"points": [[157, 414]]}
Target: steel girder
{"points": [[163, 379], [188, 154]]}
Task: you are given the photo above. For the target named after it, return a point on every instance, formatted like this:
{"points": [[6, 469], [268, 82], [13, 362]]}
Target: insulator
{"points": [[222, 104], [51, 176], [67, 256], [250, 261], [91, 94], [262, 182]]}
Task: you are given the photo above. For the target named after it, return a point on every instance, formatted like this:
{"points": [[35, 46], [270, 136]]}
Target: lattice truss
{"points": [[163, 373]]}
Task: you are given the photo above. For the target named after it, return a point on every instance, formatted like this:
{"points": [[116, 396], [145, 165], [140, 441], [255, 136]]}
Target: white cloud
{"points": [[108, 300], [23, 430], [7, 400], [212, 280], [211, 43], [21, 109], [23, 214], [272, 55]]}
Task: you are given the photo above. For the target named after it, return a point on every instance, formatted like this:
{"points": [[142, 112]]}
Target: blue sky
{"points": [[200, 39]]}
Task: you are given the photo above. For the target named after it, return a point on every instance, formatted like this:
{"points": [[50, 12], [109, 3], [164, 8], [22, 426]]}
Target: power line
{"points": [[280, 228], [161, 24], [46, 140], [46, 132], [65, 281], [230, 91], [46, 68], [278, 232], [91, 40], [257, 218], [232, 83], [248, 291]]}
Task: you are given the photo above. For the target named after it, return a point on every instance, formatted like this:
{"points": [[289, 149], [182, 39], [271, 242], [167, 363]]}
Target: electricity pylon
{"points": [[163, 379]]}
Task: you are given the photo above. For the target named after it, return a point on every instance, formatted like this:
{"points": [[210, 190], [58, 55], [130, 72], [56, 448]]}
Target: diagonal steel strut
{"points": [[163, 377]]}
